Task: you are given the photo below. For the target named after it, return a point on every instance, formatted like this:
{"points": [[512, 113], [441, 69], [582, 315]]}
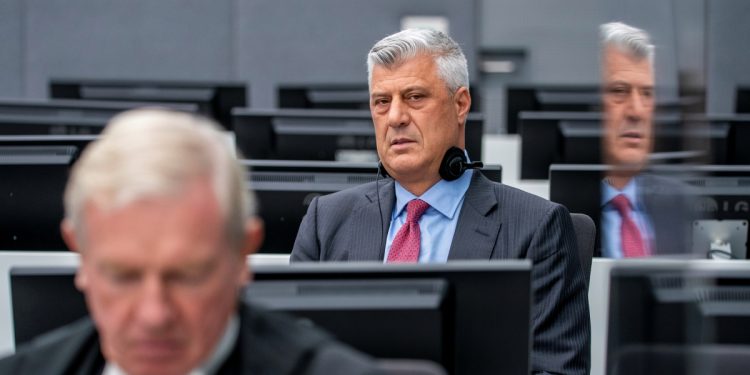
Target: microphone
{"points": [[454, 164]]}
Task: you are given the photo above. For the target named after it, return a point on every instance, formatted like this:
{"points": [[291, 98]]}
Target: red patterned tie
{"points": [[405, 246], [632, 241]]}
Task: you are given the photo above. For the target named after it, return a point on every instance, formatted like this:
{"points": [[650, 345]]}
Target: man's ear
{"points": [[462, 101], [69, 236], [254, 235]]}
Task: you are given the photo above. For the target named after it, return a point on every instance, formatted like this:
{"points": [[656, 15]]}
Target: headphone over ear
{"points": [[452, 166]]}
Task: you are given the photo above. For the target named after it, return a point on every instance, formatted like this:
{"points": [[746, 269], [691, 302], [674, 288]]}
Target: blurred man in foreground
{"points": [[158, 210]]}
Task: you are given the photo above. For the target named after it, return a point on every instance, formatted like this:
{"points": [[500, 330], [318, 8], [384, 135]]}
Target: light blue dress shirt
{"points": [[611, 221], [438, 224]]}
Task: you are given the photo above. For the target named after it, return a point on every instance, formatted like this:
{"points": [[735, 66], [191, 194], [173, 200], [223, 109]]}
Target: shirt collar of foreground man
{"points": [[159, 212]]}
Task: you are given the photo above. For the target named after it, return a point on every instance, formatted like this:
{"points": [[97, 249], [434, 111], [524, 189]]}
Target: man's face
{"points": [[628, 98], [160, 280], [416, 118]]}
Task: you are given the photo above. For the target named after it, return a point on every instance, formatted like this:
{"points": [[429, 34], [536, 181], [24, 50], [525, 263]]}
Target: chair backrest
{"points": [[585, 229]]}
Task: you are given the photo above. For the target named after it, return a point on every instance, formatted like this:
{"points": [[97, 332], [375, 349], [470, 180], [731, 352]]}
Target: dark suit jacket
{"points": [[496, 222], [669, 206], [268, 343]]}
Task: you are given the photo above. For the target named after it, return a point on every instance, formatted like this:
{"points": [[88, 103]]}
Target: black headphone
{"points": [[454, 164]]}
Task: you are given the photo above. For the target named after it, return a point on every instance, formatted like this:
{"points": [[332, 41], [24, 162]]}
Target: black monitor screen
{"points": [[284, 190], [33, 181], [79, 142], [576, 138], [676, 305], [448, 314], [343, 135], [91, 109], [51, 125], [561, 98], [66, 117], [471, 317], [577, 187], [739, 137], [214, 99], [743, 100], [574, 98], [35, 292]]}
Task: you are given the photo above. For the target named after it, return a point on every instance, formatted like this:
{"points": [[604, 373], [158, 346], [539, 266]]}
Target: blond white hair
{"points": [[407, 44], [157, 152], [628, 39]]}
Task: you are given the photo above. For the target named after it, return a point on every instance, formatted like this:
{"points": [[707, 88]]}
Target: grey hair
{"points": [[401, 46], [157, 152], [628, 39]]}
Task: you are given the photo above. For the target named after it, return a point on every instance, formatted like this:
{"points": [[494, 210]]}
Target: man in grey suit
{"points": [[430, 210], [160, 215], [643, 214]]}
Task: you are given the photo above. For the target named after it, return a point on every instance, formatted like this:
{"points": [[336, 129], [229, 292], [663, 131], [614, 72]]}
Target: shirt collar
{"points": [[211, 366], [444, 196], [630, 190]]}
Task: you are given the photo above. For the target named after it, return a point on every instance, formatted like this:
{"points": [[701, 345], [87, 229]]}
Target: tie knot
{"points": [[414, 209], [622, 204]]}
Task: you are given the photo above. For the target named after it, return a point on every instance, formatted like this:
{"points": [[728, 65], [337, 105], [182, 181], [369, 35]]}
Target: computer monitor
{"points": [[336, 96], [31, 194], [214, 99], [471, 317], [743, 100], [51, 125], [35, 291], [737, 152], [79, 142], [284, 190], [66, 117], [563, 98], [559, 98], [299, 134], [578, 187], [702, 141], [575, 137], [681, 305], [91, 109], [324, 96]]}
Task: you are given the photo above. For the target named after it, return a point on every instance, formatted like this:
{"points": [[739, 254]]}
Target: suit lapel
{"points": [[478, 223], [373, 219]]}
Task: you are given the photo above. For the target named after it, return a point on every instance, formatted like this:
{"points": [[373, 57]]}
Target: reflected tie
{"points": [[405, 246], [630, 236]]}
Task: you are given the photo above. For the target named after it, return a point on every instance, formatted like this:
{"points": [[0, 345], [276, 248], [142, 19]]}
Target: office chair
{"points": [[586, 236]]}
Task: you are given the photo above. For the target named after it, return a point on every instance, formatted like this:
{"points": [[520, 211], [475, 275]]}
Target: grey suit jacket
{"points": [[496, 222], [669, 207], [268, 344]]}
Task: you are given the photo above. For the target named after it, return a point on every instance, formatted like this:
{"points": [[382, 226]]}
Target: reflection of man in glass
{"points": [[639, 217]]}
